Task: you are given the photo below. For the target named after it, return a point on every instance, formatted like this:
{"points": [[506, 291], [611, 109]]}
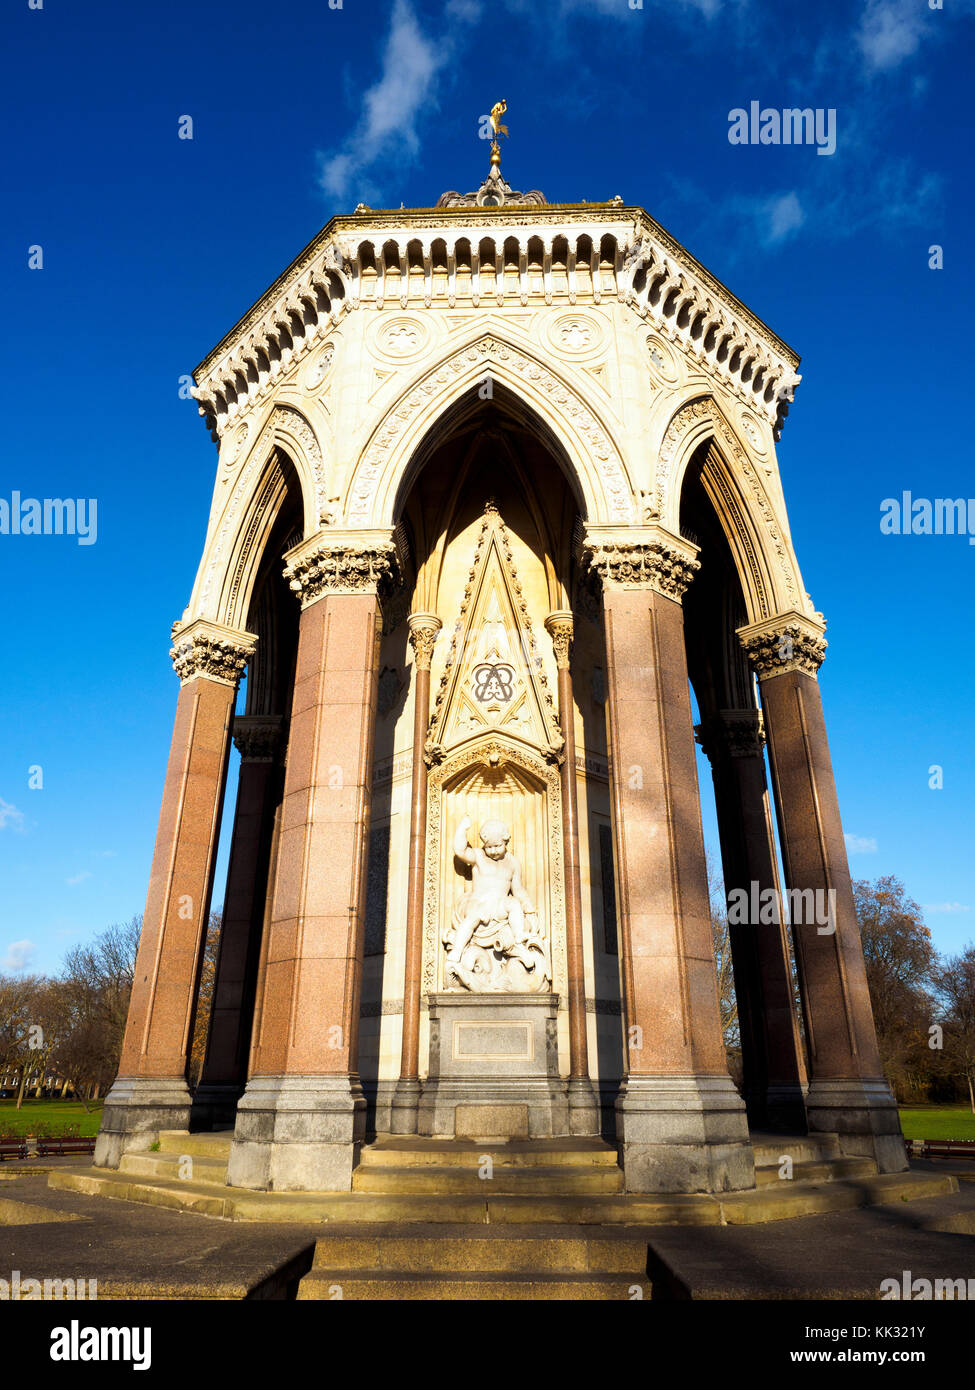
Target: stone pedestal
{"points": [[494, 1068]]}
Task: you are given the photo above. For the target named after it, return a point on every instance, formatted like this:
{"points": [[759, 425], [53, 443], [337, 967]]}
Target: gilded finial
{"points": [[497, 111]]}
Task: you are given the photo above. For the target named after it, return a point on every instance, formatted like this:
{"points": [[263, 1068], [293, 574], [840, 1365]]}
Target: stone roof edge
{"points": [[607, 212]]}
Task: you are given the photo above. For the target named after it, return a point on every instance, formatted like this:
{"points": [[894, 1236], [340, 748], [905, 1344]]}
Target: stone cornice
{"points": [[643, 557], [211, 651], [785, 642], [651, 272], [350, 562]]}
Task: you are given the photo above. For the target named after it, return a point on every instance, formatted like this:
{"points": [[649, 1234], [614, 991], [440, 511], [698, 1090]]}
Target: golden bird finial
{"points": [[497, 111]]}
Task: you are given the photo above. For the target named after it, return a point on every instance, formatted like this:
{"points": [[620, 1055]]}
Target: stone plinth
{"points": [[494, 1068]]}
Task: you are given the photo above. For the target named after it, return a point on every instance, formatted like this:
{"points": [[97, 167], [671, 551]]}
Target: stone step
{"points": [[407, 1151], [801, 1148], [173, 1165], [211, 1145], [332, 1284], [807, 1199], [830, 1170], [542, 1181], [564, 1250], [494, 1208]]}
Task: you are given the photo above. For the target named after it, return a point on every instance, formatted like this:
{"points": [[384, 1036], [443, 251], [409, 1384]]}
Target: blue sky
{"points": [[154, 246]]}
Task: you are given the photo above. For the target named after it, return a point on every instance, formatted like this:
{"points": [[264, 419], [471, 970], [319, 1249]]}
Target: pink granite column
{"points": [[773, 1071], [224, 1073], [848, 1093], [681, 1121], [423, 634], [301, 1120], [584, 1114], [150, 1092]]}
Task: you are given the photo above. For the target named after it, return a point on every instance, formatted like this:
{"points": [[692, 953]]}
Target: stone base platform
{"points": [[405, 1179]]}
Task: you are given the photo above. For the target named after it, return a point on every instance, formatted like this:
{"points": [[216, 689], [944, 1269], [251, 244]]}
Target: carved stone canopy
{"points": [[211, 651], [785, 642]]}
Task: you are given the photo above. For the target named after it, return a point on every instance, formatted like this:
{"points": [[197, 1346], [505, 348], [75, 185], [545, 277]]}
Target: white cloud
{"points": [[946, 907], [391, 107], [18, 957], [860, 844], [890, 31], [785, 216], [9, 815], [78, 878]]}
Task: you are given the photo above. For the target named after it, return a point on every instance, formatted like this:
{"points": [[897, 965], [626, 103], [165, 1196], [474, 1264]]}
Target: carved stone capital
{"points": [[643, 557], [423, 629], [559, 626], [785, 642], [257, 737], [358, 563], [210, 650], [736, 733]]}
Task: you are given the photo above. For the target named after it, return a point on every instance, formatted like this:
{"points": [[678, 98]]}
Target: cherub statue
{"points": [[497, 917]]}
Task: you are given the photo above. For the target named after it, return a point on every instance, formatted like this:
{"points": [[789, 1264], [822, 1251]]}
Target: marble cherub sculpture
{"points": [[496, 923]]}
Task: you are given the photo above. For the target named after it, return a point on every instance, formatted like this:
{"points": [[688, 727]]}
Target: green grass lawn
{"points": [[938, 1122], [50, 1118]]}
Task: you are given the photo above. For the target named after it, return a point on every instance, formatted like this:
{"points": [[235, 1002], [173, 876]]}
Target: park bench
{"points": [[941, 1148]]}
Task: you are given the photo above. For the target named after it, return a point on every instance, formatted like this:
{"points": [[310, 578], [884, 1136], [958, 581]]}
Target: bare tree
{"points": [[955, 984]]}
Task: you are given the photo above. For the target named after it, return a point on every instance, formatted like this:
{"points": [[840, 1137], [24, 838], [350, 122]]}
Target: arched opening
{"points": [[488, 513], [753, 948]]}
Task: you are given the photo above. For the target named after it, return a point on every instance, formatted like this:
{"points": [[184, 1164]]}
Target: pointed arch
{"points": [[760, 544], [587, 450], [285, 459]]}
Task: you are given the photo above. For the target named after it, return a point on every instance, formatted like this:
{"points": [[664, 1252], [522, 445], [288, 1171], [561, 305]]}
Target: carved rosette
{"points": [[559, 628], [204, 649], [343, 569], [736, 733], [785, 643], [423, 629], [257, 737], [656, 564]]}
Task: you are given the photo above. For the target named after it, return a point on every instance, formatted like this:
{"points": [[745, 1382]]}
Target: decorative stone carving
{"points": [[472, 777], [398, 420], [343, 568], [652, 563], [320, 368], [785, 642], [423, 629], [257, 737], [494, 942], [560, 628], [493, 676], [208, 650], [704, 408], [739, 733]]}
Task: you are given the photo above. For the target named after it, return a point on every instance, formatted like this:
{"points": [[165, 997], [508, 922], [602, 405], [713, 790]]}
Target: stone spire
{"points": [[494, 191]]}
